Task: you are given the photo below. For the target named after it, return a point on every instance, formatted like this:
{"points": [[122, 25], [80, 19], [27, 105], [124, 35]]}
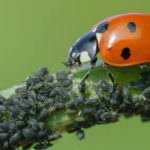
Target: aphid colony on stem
{"points": [[26, 116]]}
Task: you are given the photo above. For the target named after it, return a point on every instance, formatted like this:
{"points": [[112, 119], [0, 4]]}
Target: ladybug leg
{"points": [[87, 74], [144, 66], [110, 75]]}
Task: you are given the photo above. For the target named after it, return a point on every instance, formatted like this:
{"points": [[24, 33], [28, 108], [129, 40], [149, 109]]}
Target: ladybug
{"points": [[122, 40]]}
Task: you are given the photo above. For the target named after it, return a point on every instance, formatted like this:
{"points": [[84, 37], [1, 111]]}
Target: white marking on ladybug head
{"points": [[84, 57], [98, 36]]}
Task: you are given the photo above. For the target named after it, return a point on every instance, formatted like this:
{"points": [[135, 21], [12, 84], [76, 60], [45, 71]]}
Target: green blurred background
{"points": [[36, 33]]}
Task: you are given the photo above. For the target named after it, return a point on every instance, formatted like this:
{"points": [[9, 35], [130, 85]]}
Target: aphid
{"points": [[103, 96], [41, 134], [88, 111], [32, 81], [145, 116], [145, 76], [15, 137], [20, 124], [42, 146], [105, 86], [104, 90], [44, 112], [3, 136], [61, 76], [9, 125], [127, 98], [33, 124], [21, 91], [54, 136], [48, 103], [138, 84], [52, 109], [2, 99], [79, 119], [80, 134], [143, 82], [117, 97], [71, 105], [56, 92], [37, 86], [88, 122], [118, 39], [79, 101], [28, 133], [73, 128], [11, 102], [49, 78], [16, 112], [41, 97], [109, 116], [45, 89], [24, 105], [6, 144], [91, 102], [82, 88], [71, 111], [43, 71], [2, 109], [66, 83], [41, 125], [31, 102], [31, 94], [59, 105], [146, 93], [75, 103]]}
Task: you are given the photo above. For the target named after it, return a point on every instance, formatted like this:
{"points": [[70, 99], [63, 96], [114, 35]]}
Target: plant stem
{"points": [[97, 102]]}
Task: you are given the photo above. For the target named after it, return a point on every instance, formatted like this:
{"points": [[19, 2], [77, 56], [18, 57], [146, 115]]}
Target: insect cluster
{"points": [[143, 82], [24, 116]]}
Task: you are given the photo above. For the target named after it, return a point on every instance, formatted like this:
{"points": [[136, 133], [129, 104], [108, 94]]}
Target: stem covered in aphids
{"points": [[48, 104]]}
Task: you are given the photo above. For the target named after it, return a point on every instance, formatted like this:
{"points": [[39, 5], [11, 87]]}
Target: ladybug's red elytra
{"points": [[122, 40]]}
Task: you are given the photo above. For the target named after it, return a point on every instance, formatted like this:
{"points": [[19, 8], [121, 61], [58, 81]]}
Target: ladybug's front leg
{"points": [[92, 66]]}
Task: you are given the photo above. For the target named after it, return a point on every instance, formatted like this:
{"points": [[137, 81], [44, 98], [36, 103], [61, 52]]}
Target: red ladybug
{"points": [[122, 40]]}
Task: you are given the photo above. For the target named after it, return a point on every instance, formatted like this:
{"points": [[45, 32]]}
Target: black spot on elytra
{"points": [[132, 26], [125, 54], [101, 28]]}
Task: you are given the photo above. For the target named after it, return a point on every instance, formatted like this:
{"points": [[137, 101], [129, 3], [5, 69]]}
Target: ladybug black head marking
{"points": [[102, 27], [85, 49]]}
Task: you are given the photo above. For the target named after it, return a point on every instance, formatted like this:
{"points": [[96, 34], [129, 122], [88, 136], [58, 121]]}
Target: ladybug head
{"points": [[84, 50]]}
